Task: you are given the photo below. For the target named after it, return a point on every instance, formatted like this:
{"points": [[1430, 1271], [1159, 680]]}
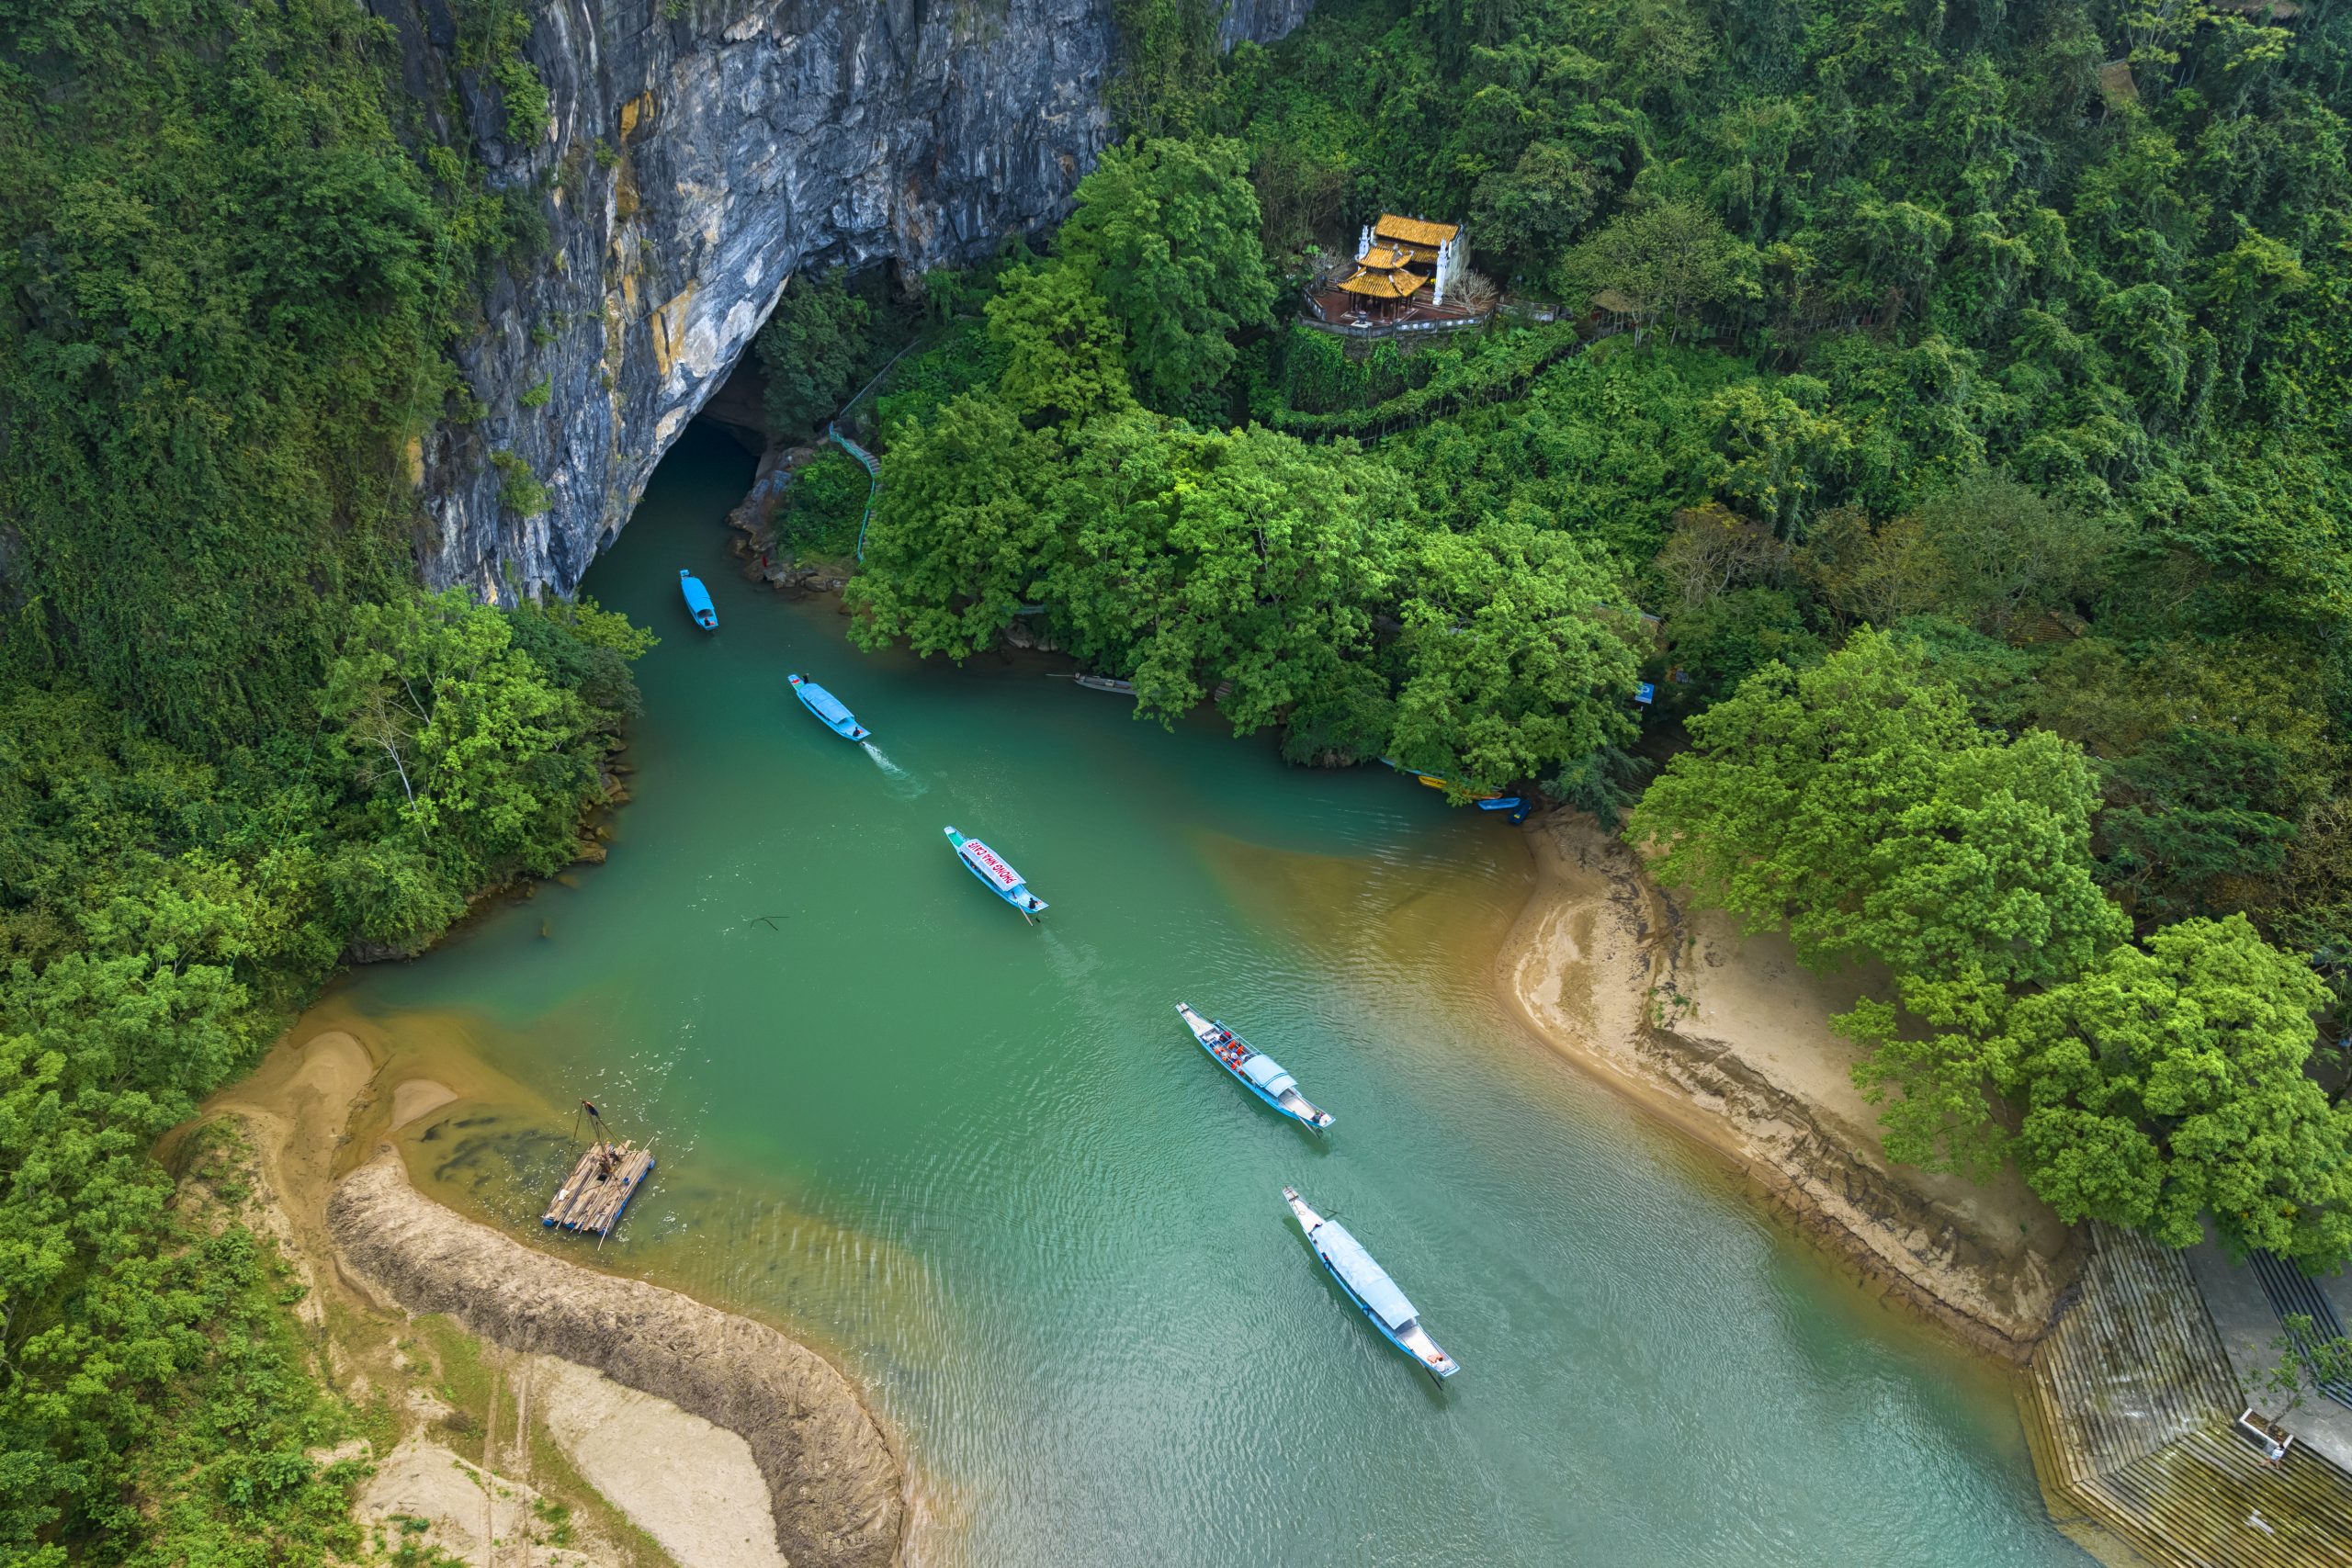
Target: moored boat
{"points": [[996, 876], [1107, 683], [1259, 1073], [1368, 1285], [1489, 800], [828, 709], [698, 602]]}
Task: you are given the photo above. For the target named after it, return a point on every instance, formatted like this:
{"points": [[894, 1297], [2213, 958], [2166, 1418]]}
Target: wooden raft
{"points": [[591, 1206]]}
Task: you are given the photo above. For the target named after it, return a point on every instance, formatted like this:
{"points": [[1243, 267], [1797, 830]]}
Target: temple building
{"points": [[1405, 264]]}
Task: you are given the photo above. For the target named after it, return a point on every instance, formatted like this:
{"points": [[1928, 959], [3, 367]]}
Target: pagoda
{"points": [[1403, 263]]}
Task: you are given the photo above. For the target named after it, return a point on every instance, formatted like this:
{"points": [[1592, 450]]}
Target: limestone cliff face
{"points": [[699, 153]]}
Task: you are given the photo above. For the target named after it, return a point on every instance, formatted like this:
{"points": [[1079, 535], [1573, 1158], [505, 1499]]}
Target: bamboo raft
{"points": [[591, 1205]]}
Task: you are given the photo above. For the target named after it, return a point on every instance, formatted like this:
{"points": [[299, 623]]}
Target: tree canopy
{"points": [[1168, 230], [2169, 1080]]}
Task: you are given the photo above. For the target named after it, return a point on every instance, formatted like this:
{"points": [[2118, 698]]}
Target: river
{"points": [[985, 1167]]}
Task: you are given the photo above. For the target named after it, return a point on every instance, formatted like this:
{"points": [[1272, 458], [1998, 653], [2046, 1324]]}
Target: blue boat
{"points": [[1518, 805], [706, 614], [828, 708], [1368, 1285], [1259, 1073], [996, 876]]}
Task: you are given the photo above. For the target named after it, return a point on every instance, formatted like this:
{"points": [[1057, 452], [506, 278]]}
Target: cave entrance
{"points": [[831, 332]]}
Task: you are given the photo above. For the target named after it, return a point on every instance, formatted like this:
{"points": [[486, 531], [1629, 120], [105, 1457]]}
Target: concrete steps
{"points": [[2129, 1410]]}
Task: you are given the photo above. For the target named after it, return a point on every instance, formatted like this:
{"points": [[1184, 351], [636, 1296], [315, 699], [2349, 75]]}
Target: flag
{"points": [[591, 1111]]}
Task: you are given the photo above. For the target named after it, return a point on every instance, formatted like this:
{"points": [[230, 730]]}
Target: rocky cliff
{"points": [[698, 154]]}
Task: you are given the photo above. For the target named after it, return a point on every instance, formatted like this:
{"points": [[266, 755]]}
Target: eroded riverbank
{"points": [[703, 1438], [1728, 1038]]}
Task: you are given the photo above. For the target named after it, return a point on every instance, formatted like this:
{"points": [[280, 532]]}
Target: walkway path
{"points": [[873, 467], [2249, 1331], [2129, 1409]]}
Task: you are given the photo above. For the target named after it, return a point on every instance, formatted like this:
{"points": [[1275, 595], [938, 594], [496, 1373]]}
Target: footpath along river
{"points": [[985, 1167]]}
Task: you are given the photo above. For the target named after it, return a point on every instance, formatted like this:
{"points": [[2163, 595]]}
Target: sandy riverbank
{"points": [[1728, 1039], [670, 1431]]}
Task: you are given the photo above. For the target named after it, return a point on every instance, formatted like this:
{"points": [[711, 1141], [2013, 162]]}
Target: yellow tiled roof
{"points": [[1385, 258], [1414, 231], [1385, 285]]}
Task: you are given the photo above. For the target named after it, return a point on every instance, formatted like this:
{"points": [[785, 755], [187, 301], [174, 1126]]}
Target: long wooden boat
{"points": [[1368, 1285], [1256, 1072], [1107, 683], [698, 602], [828, 709], [996, 876]]}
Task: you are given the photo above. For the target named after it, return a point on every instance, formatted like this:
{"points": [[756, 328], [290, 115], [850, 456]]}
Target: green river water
{"points": [[985, 1167]]}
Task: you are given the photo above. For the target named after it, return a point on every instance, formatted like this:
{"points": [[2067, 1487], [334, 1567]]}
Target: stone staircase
{"points": [[873, 467], [2128, 1409]]}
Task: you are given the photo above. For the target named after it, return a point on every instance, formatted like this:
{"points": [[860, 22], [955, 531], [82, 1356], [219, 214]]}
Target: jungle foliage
{"points": [[1965, 392], [236, 742]]}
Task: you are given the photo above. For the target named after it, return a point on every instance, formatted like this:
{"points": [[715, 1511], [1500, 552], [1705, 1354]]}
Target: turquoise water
{"points": [[986, 1169]]}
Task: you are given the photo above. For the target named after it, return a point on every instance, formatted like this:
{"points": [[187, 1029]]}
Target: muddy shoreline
{"points": [[833, 1481], [786, 1462], [1726, 1040]]}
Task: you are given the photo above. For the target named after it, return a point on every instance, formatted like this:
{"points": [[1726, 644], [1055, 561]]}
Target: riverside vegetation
{"points": [[1979, 441], [1981, 446], [235, 740]]}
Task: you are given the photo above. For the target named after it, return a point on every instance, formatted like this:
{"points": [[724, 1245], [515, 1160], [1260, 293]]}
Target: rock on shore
{"points": [[835, 1483]]}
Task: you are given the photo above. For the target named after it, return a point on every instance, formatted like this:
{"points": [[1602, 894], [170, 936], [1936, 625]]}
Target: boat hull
{"points": [[1212, 1036], [991, 870], [698, 602], [1412, 1340], [829, 710]]}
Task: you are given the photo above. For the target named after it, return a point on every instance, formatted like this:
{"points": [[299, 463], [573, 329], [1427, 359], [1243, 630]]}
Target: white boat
{"points": [[1368, 1285], [1259, 1073]]}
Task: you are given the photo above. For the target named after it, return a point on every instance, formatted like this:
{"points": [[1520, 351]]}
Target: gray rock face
{"points": [[699, 154]]}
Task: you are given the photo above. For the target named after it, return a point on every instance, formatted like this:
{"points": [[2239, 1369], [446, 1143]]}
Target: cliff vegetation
{"points": [[236, 742]]}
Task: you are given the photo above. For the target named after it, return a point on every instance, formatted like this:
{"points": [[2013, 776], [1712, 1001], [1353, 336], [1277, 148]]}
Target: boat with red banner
{"points": [[996, 876]]}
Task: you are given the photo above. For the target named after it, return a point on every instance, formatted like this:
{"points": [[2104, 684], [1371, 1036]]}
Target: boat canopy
{"points": [[1267, 1074], [1368, 1280], [988, 863], [828, 707]]}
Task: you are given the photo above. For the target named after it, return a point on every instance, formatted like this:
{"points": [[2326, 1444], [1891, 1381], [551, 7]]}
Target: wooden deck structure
{"points": [[2129, 1410], [592, 1203]]}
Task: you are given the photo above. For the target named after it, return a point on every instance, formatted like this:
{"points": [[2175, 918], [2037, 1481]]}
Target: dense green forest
{"points": [[236, 742], [1977, 444]]}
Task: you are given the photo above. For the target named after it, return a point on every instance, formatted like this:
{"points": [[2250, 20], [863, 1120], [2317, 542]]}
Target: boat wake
{"points": [[904, 783]]}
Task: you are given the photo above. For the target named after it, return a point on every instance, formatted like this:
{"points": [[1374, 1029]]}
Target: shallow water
{"points": [[985, 1166]]}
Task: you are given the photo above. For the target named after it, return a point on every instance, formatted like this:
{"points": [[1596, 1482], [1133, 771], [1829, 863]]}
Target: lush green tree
{"points": [[1989, 552], [1193, 559], [2197, 806], [1530, 212], [1663, 263], [1064, 359], [1859, 805], [1519, 660], [460, 737], [961, 531], [1777, 449], [811, 350], [1168, 230], [2169, 1080]]}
